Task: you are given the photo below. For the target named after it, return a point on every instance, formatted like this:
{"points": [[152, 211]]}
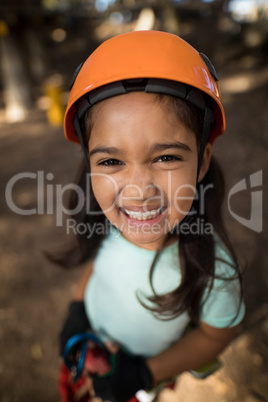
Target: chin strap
{"points": [[204, 138], [205, 133], [81, 140]]}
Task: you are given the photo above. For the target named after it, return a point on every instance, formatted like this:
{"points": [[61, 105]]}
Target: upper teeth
{"points": [[142, 216]]}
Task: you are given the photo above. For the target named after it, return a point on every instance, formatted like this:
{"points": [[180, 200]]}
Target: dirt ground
{"points": [[34, 293]]}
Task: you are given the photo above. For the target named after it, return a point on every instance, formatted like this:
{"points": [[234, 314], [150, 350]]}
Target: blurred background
{"points": [[41, 44]]}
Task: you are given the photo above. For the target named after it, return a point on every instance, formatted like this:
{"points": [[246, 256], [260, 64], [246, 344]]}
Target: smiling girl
{"points": [[146, 109]]}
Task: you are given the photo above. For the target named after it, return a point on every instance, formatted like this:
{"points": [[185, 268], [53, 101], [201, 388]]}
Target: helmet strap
{"points": [[205, 133], [204, 138], [81, 140]]}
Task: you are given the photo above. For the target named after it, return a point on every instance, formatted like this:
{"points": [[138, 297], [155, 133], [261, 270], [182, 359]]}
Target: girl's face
{"points": [[143, 163]]}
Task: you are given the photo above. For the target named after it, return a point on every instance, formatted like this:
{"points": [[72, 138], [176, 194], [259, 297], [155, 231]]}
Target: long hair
{"points": [[196, 251], [197, 255]]}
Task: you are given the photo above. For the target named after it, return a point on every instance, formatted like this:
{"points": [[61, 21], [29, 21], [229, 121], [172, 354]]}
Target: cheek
{"points": [[105, 190], [182, 193], [183, 198]]}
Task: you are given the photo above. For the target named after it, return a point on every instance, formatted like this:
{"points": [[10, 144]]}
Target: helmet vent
{"points": [[75, 75], [209, 65], [137, 84]]}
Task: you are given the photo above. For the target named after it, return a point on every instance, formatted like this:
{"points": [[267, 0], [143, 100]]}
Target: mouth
{"points": [[143, 216]]}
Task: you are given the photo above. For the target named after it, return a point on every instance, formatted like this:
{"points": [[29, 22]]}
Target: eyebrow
{"points": [[176, 145], [104, 150], [155, 148]]}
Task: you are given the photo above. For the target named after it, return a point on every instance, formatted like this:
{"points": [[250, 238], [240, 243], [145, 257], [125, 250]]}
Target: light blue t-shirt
{"points": [[121, 271]]}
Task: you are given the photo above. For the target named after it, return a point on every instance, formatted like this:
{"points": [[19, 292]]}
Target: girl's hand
{"points": [[130, 374], [112, 347], [86, 390]]}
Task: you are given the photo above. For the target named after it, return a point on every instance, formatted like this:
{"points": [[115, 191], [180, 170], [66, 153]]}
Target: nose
{"points": [[139, 184]]}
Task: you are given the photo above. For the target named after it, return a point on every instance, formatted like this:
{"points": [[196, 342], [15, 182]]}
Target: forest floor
{"points": [[34, 293]]}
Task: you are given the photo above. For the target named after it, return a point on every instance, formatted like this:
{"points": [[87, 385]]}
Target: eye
{"points": [[168, 158], [110, 162]]}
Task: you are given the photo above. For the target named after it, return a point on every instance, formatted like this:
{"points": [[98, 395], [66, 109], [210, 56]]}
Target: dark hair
{"points": [[196, 251], [197, 256]]}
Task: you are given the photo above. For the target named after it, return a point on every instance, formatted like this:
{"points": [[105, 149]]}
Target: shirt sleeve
{"points": [[223, 307]]}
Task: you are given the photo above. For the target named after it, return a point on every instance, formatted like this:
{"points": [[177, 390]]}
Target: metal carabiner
{"points": [[77, 368]]}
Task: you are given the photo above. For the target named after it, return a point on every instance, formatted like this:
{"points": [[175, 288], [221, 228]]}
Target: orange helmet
{"points": [[152, 61]]}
